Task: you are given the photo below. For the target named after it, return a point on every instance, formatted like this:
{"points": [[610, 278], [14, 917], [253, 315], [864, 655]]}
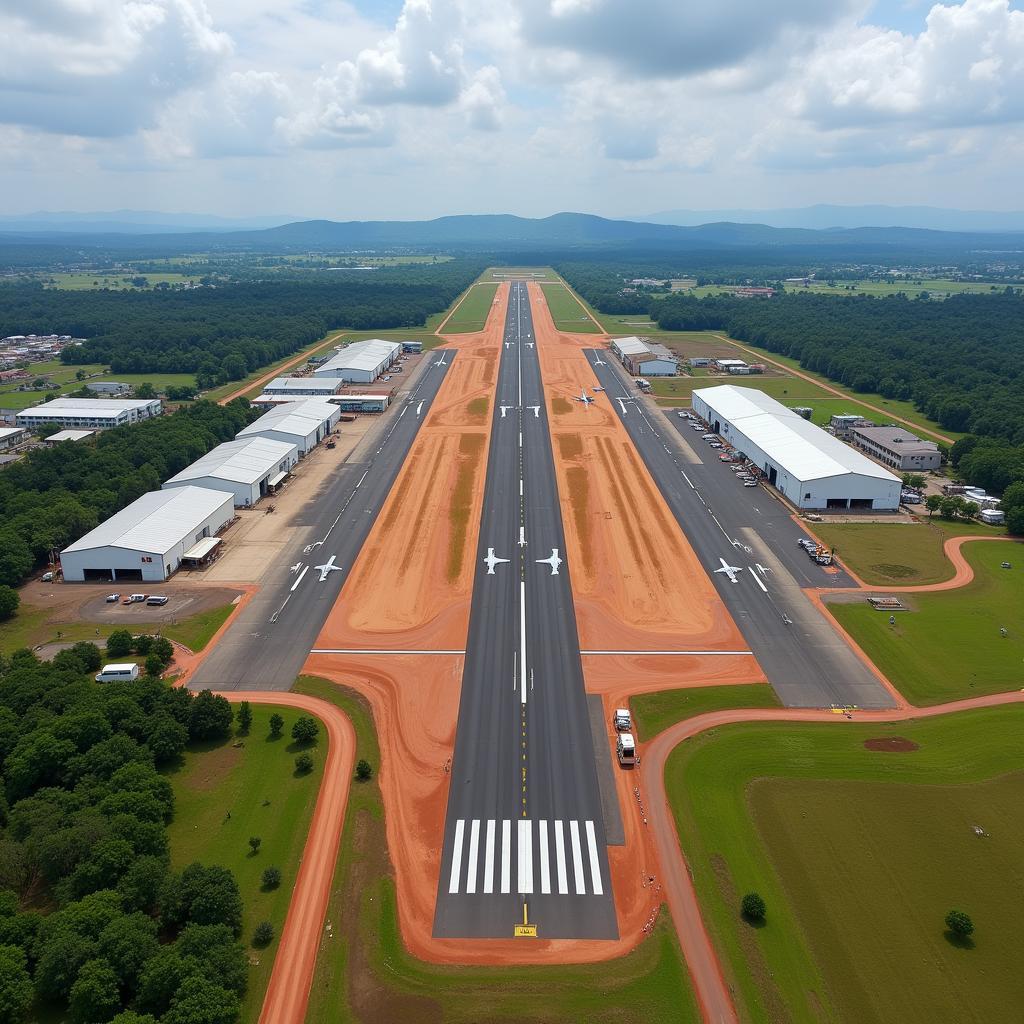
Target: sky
{"points": [[384, 109]]}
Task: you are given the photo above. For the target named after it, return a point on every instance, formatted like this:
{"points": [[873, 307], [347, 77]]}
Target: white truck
{"points": [[625, 749], [622, 721], [118, 673]]}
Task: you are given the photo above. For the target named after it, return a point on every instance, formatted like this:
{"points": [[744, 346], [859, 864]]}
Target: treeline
{"points": [[94, 924], [55, 495], [225, 332]]}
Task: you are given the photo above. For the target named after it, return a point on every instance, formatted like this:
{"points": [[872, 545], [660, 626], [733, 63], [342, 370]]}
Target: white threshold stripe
{"points": [[563, 884], [577, 858], [489, 858], [506, 855], [524, 864], [545, 867], [453, 881], [662, 654], [474, 840], [361, 650], [595, 864]]}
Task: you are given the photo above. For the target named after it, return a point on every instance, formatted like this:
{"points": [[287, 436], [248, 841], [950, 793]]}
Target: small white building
{"points": [[248, 467], [10, 436], [289, 388], [108, 387], [148, 539], [642, 358], [897, 448], [90, 413], [813, 469], [304, 423], [362, 362]]}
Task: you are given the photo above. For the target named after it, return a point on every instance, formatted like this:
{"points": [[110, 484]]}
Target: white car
{"points": [[112, 598], [388, 377]]}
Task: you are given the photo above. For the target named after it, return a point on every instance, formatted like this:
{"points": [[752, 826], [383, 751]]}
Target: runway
{"points": [[267, 644], [746, 529], [524, 839]]}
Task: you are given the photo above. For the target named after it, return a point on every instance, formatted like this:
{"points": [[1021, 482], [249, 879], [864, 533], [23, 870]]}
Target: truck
{"points": [[622, 721], [625, 749]]}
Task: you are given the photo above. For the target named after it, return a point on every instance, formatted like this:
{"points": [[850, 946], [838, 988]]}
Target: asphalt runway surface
{"points": [[524, 841], [750, 531], [267, 644]]}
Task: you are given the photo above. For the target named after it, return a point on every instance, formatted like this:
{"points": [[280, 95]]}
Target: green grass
{"points": [[471, 314], [936, 288], [788, 390], [948, 644], [858, 855], [196, 631], [258, 785], [899, 554], [655, 712], [363, 971], [118, 282], [567, 312]]}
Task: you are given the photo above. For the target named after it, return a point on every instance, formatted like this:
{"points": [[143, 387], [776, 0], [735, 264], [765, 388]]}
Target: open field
{"points": [[121, 281], [788, 390], [948, 644], [899, 554], [653, 712], [364, 973], [566, 311], [937, 288], [257, 784], [858, 854], [196, 631], [471, 314]]}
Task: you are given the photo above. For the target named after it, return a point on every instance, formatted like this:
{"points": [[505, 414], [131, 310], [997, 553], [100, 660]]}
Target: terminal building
{"points": [[810, 467], [150, 538], [304, 424], [898, 448], [362, 362], [89, 413], [248, 467], [644, 359]]}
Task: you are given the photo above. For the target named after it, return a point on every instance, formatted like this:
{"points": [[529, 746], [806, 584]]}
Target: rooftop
{"points": [[244, 460], [303, 384], [156, 521], [300, 418], [361, 355], [70, 435], [897, 438], [631, 346], [98, 408]]}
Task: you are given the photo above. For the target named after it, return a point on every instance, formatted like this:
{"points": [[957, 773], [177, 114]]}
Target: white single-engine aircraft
{"points": [[554, 561], [327, 568], [492, 560], [729, 570], [583, 397]]}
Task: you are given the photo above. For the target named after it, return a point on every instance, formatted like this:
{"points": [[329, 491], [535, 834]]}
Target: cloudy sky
{"points": [[390, 109]]}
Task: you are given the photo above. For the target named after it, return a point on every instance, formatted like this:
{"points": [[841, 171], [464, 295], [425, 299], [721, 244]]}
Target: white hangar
{"points": [[304, 424], [813, 469], [362, 362]]}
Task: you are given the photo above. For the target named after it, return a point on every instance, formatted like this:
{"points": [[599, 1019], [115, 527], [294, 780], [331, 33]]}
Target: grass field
{"points": [[120, 281], [654, 712], [364, 973], [257, 783], [899, 554], [788, 390], [196, 631], [948, 644], [938, 288], [566, 311], [471, 314], [858, 855]]}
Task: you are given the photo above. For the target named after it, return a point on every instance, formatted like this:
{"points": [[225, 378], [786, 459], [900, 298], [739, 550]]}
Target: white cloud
{"points": [[482, 100]]}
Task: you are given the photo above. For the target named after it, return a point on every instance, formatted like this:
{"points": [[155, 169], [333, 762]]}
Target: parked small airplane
{"points": [[729, 570], [492, 560], [583, 397], [327, 568], [296, 567], [554, 561], [441, 361]]}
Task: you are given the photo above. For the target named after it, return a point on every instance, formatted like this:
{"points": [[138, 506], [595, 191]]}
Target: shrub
{"points": [[752, 907], [276, 725], [959, 924], [304, 764], [271, 878], [304, 730], [263, 934], [363, 770]]}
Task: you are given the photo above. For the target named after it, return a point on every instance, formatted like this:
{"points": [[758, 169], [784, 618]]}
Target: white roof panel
{"points": [[244, 460], [156, 521], [70, 435], [324, 384], [299, 418], [361, 355], [101, 406], [631, 346]]}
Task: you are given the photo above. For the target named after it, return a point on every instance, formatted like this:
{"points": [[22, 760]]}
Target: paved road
{"points": [[805, 659], [265, 647], [524, 835]]}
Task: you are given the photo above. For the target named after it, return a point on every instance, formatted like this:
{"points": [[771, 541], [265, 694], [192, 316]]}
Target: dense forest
{"points": [[92, 918], [55, 495], [223, 333]]}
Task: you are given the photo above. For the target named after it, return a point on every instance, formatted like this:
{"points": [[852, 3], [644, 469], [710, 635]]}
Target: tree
{"points": [[15, 986], [94, 995], [263, 934], [127, 944], [254, 844], [167, 738], [752, 907], [145, 390], [959, 924], [154, 666], [933, 503], [163, 649], [271, 878], [88, 654], [304, 764], [142, 644], [210, 717], [203, 895], [9, 601], [120, 644], [304, 730], [276, 725], [363, 770], [244, 717], [200, 1001]]}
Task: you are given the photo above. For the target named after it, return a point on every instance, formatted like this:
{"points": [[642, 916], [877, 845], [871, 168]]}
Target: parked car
{"points": [[387, 377], [749, 483], [157, 599], [127, 600], [113, 598], [137, 598], [47, 577]]}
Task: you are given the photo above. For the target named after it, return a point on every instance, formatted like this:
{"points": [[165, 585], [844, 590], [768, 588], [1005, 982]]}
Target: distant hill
{"points": [[133, 222], [824, 216]]}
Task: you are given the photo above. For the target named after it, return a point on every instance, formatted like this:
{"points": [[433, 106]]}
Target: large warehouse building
{"points": [[362, 362], [91, 413], [644, 359], [303, 424], [248, 467], [813, 469], [148, 539]]}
